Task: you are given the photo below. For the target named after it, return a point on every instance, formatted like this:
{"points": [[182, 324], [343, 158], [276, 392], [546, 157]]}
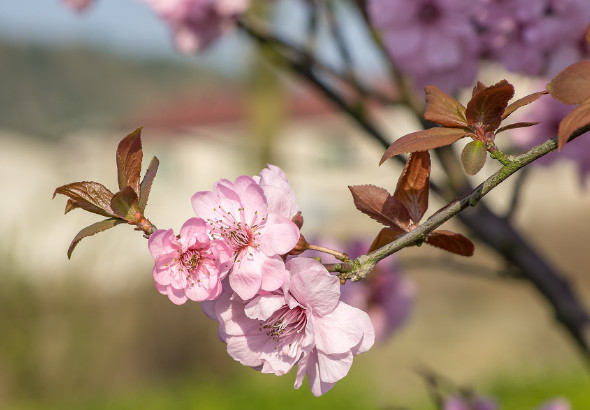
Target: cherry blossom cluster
{"points": [[273, 311], [441, 42]]}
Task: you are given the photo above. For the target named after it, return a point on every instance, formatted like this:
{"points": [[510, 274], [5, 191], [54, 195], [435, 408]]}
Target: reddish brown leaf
{"points": [[146, 183], [129, 156], [413, 185], [385, 236], [451, 242], [578, 118], [88, 195], [477, 88], [515, 125], [572, 85], [443, 109], [423, 141], [125, 204], [485, 108], [91, 230], [521, 102], [588, 35], [379, 205], [473, 157]]}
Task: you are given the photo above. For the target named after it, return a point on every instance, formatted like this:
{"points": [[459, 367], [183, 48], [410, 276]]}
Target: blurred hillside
{"points": [[48, 92]]}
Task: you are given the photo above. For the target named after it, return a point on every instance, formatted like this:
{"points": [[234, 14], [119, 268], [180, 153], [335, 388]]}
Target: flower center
{"points": [[234, 230], [429, 12], [189, 260], [285, 323]]}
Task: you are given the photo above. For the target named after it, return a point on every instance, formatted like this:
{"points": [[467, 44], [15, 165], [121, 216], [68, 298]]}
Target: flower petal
{"points": [[160, 242], [313, 286], [333, 367], [278, 235], [343, 329], [263, 306]]}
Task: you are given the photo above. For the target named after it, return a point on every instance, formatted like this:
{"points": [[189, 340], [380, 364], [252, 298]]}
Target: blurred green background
{"points": [[92, 333]]}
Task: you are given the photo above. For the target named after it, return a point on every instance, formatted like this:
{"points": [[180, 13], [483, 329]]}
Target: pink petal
{"points": [[253, 203], [313, 286], [246, 277], [333, 367], [263, 306], [208, 307], [312, 369], [343, 329], [274, 274], [279, 194], [177, 296], [278, 236], [160, 242], [205, 204], [194, 230], [246, 350]]}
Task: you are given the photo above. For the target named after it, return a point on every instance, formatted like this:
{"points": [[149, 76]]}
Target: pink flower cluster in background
{"points": [[441, 42], [197, 23], [272, 314]]}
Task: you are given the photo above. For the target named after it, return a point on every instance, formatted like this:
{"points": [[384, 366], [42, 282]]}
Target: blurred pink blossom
{"points": [[305, 323], [386, 294], [238, 213], [190, 265], [432, 40], [549, 112], [78, 5], [534, 37], [475, 403], [197, 23]]}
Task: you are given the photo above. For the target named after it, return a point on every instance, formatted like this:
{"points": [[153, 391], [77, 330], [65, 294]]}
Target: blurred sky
{"points": [[131, 28]]}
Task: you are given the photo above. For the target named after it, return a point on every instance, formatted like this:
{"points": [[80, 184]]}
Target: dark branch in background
{"points": [[483, 223], [515, 198]]}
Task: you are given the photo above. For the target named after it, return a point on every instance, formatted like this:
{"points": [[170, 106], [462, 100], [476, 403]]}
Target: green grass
{"points": [[250, 390]]}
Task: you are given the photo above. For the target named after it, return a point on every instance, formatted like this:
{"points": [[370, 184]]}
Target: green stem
{"points": [[364, 264]]}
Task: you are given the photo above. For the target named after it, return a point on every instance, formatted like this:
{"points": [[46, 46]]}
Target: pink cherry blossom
{"points": [[190, 265], [475, 403], [306, 323], [238, 213], [430, 39], [197, 23], [78, 5], [549, 113]]}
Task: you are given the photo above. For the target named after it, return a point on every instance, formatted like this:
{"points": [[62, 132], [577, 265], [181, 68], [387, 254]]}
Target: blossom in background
{"points": [[78, 5], [305, 323], [197, 23], [238, 213], [555, 404], [485, 403], [386, 294], [475, 403], [430, 38], [190, 265], [549, 112], [534, 37]]}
